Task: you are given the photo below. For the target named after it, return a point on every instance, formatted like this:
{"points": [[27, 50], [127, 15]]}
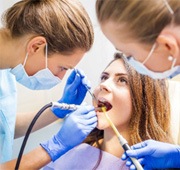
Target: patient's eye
{"points": [[122, 80], [104, 77]]}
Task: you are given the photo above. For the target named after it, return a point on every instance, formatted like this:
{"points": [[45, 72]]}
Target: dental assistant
{"points": [[39, 42], [148, 33]]}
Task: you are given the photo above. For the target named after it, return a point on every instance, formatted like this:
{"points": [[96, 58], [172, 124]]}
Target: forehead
{"points": [[116, 66]]}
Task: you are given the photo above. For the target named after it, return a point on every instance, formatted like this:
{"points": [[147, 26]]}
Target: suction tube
{"points": [[122, 140]]}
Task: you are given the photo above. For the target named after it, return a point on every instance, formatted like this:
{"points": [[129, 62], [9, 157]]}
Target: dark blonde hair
{"points": [[144, 20], [64, 23], [150, 108]]}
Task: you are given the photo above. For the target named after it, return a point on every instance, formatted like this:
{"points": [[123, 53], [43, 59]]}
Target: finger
{"points": [[80, 72], [75, 83], [82, 89], [132, 167], [82, 110], [138, 153], [86, 121], [129, 162], [89, 115], [86, 82], [141, 161], [88, 128], [124, 157], [92, 121], [139, 145], [84, 125], [71, 77]]}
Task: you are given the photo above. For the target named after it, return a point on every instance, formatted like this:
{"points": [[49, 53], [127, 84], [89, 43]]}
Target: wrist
{"points": [[54, 148]]}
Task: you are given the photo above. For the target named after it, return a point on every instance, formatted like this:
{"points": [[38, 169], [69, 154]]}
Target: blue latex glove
{"points": [[74, 130], [74, 91], [154, 155]]}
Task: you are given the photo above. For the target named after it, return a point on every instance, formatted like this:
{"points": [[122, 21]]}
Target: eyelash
{"points": [[124, 79], [103, 77], [63, 69]]}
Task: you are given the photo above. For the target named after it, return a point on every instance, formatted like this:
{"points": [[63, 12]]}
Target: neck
{"points": [[111, 143], [11, 50]]}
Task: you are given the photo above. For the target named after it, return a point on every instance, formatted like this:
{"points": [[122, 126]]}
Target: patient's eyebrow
{"points": [[117, 74], [121, 74]]}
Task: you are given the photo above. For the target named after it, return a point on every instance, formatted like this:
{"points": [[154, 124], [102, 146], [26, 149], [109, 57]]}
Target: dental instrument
{"points": [[92, 95], [122, 140], [71, 107], [88, 89]]}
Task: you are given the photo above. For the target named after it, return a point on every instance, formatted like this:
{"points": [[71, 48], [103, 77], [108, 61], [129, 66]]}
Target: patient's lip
{"points": [[103, 103]]}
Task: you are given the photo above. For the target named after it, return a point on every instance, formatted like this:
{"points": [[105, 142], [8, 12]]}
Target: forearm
{"points": [[35, 159], [23, 121]]}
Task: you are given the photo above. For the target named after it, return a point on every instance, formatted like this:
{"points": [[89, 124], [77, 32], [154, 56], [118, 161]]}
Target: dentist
{"points": [[39, 42]]}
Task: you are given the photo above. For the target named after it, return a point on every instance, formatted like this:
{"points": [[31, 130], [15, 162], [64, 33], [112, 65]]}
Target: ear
{"points": [[35, 45], [169, 43]]}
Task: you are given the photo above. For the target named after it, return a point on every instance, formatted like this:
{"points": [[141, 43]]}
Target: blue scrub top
{"points": [[8, 104]]}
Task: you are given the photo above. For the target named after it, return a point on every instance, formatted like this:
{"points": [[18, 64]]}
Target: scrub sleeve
{"points": [[8, 106]]}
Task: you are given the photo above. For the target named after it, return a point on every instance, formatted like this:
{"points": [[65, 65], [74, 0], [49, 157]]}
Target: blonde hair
{"points": [[150, 108], [64, 23], [143, 19]]}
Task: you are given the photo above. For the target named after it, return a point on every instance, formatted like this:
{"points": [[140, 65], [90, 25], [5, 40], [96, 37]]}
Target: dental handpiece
{"points": [[72, 107], [65, 106]]}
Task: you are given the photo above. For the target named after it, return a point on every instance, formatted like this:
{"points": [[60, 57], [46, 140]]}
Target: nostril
{"points": [[103, 88]]}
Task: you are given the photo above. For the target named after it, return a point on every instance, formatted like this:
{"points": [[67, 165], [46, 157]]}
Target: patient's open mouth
{"points": [[105, 104]]}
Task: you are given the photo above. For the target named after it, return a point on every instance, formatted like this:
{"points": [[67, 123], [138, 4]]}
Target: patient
{"points": [[140, 111]]}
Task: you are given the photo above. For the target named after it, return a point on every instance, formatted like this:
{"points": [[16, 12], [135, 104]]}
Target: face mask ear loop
{"points": [[25, 59], [173, 63], [46, 54], [168, 7], [150, 53]]}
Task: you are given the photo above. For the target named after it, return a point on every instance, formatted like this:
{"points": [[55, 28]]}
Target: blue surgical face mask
{"points": [[142, 69], [42, 80]]}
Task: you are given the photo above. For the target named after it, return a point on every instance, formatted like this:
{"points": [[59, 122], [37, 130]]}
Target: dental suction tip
{"points": [[103, 107]]}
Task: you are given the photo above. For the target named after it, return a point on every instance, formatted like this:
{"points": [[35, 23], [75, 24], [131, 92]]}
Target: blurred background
{"points": [[93, 64]]}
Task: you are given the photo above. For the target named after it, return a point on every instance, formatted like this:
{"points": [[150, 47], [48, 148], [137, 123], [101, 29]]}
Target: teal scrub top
{"points": [[8, 104]]}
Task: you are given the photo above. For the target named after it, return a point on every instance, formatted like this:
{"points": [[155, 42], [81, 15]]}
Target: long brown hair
{"points": [[144, 20], [64, 23]]}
